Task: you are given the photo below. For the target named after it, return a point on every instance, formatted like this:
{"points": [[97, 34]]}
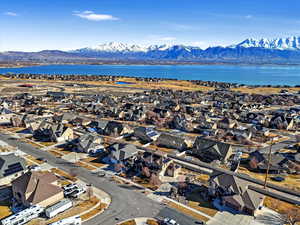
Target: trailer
{"points": [[59, 207], [76, 220], [24, 216]]}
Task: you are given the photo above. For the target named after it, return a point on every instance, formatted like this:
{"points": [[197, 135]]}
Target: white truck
{"points": [[59, 207]]}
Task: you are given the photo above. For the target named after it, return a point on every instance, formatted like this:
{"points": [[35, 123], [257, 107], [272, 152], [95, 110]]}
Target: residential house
{"points": [[43, 130], [88, 143], [169, 168], [226, 123], [11, 167], [113, 128], [80, 121], [17, 120], [64, 118], [234, 193], [99, 125], [37, 188], [121, 152], [105, 127], [61, 133], [5, 116], [171, 141], [259, 162], [260, 131], [146, 134], [280, 121], [209, 150]]}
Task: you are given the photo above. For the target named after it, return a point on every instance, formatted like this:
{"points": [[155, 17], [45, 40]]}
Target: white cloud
{"points": [[90, 15], [10, 14]]}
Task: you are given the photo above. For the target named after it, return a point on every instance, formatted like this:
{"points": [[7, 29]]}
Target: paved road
{"points": [[280, 145], [125, 204]]}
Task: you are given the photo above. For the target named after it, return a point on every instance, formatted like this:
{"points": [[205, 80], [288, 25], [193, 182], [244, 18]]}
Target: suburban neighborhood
{"points": [[121, 150]]}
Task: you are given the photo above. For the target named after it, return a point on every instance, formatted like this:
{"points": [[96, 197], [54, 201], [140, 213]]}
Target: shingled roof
{"points": [[10, 164], [39, 186], [211, 150], [239, 191]]}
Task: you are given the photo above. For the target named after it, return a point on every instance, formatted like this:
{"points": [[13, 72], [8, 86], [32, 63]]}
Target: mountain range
{"points": [[266, 51]]}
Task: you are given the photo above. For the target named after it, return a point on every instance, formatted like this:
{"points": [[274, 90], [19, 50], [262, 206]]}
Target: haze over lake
{"points": [[274, 75]]}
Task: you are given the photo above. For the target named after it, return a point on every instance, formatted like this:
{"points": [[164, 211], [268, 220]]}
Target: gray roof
{"points": [[240, 192], [10, 164], [123, 151], [102, 124], [206, 146], [233, 183], [5, 111], [87, 140], [171, 141]]}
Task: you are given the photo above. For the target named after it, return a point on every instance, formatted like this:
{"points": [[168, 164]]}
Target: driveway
{"points": [[264, 217], [125, 203]]}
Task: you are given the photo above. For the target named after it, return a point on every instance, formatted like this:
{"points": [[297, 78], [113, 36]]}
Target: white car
{"points": [[77, 193], [169, 221], [70, 191], [70, 186]]}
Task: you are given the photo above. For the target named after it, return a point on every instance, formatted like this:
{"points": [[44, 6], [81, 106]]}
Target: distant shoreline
{"points": [[149, 63]]}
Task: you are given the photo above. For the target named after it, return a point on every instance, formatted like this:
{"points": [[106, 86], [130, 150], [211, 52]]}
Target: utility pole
{"points": [[269, 159]]}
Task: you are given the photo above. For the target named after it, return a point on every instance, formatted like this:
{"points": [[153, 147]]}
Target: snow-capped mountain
{"points": [[121, 47], [290, 43], [280, 50], [116, 50], [114, 47]]}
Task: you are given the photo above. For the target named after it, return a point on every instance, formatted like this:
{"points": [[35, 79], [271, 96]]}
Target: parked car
{"points": [[101, 174], [70, 186], [34, 167], [70, 191], [77, 193], [278, 179], [169, 221]]}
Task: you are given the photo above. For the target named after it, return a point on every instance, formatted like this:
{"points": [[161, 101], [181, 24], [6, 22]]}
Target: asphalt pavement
{"points": [[125, 203]]}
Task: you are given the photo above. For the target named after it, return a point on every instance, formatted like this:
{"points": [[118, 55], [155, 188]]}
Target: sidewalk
{"points": [[101, 195], [139, 221]]}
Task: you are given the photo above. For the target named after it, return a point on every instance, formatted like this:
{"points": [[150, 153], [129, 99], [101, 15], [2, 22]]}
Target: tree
{"points": [[154, 180], [146, 172], [292, 216]]}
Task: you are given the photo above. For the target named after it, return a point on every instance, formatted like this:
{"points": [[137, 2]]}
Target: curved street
{"points": [[126, 203]]}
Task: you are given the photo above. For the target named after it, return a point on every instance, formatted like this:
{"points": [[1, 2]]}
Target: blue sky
{"points": [[32, 25]]}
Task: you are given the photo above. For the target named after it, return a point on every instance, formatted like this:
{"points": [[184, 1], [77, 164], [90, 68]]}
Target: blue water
{"points": [[274, 75], [123, 82]]}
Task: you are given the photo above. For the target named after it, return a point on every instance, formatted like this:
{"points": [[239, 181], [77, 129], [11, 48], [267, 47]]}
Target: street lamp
{"points": [[269, 159]]}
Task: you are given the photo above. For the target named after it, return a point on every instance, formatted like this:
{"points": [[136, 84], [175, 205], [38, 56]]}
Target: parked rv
{"points": [[68, 221], [24, 216], [59, 207]]}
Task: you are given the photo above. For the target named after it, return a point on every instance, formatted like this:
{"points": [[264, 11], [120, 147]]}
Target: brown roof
{"points": [[35, 184], [235, 184], [242, 195]]}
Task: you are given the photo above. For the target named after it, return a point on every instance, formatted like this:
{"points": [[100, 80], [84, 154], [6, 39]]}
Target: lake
{"points": [[274, 75]]}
